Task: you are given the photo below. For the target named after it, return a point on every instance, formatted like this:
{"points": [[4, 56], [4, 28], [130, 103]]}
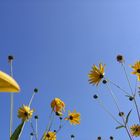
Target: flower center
{"points": [[136, 129], [71, 117], [101, 75], [48, 135], [26, 114], [138, 70]]}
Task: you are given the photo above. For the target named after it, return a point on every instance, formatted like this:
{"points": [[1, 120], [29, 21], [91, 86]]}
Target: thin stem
{"points": [[138, 113], [11, 101], [113, 97], [50, 118], [51, 122], [32, 99], [127, 78], [116, 103], [135, 103], [48, 126], [107, 111], [135, 88], [119, 88], [21, 131], [127, 130], [30, 121], [33, 130], [31, 137], [36, 126], [60, 126]]}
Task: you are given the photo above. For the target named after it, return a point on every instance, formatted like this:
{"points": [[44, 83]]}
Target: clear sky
{"points": [[55, 43]]}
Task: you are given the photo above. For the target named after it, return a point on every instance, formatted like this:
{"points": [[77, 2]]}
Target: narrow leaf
{"points": [[17, 132], [121, 126], [127, 117]]}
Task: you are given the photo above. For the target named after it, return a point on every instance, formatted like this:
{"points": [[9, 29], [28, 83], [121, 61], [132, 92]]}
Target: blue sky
{"points": [[55, 43]]}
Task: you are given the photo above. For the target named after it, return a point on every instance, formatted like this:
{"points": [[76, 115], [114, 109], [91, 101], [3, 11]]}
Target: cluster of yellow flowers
{"points": [[58, 107], [97, 75], [25, 113]]}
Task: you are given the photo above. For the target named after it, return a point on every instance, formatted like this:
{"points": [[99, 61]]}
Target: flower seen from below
{"points": [[25, 113], [49, 136], [96, 74], [135, 130], [136, 68], [73, 117], [57, 105]]}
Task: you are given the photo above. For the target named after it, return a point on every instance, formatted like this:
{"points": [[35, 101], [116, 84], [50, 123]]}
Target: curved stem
{"points": [[30, 102]]}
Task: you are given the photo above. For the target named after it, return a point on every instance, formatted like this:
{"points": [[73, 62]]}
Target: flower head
{"points": [[73, 117], [96, 74], [135, 130], [136, 68], [49, 136], [57, 105], [25, 113]]}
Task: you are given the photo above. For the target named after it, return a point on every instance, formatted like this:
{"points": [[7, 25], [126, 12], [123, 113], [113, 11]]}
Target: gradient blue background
{"points": [[55, 43]]}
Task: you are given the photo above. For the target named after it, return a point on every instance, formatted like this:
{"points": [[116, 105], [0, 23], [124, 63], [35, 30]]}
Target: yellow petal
{"points": [[7, 83]]}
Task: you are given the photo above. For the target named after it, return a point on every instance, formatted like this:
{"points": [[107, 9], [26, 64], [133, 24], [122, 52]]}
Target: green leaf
{"points": [[121, 126], [17, 132], [127, 117]]}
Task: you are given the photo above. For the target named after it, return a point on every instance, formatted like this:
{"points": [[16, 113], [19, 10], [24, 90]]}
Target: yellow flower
{"points": [[96, 74], [7, 83], [73, 117], [25, 113], [57, 105], [135, 130], [136, 69], [49, 136]]}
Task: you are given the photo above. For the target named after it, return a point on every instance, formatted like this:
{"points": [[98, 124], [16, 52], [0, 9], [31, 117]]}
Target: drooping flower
{"points": [[49, 136], [135, 130], [96, 74], [25, 113], [57, 105], [136, 68], [73, 117], [7, 83]]}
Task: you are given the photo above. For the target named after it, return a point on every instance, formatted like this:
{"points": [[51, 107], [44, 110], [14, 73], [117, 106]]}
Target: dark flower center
{"points": [[26, 114], [48, 135], [138, 70], [101, 76], [71, 117]]}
